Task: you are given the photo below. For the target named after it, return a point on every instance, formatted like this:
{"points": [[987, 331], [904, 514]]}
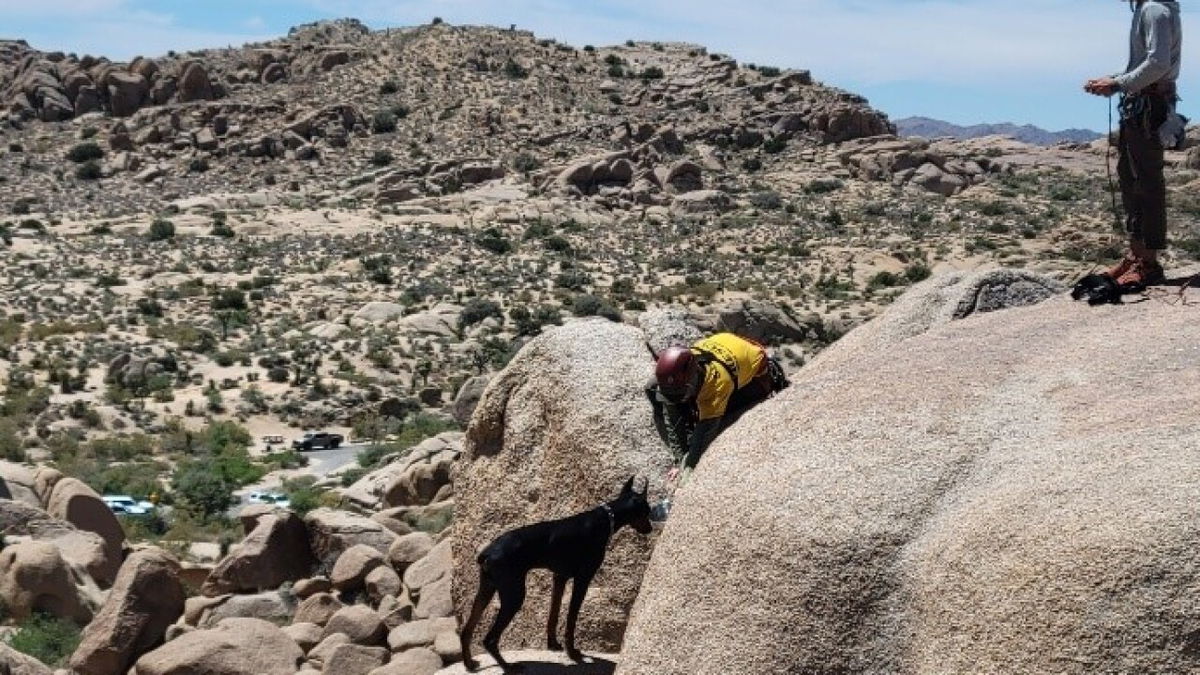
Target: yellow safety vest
{"points": [[732, 356]]}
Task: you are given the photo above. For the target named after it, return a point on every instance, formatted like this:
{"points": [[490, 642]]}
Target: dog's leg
{"points": [[579, 588], [512, 596], [560, 585], [486, 590]]}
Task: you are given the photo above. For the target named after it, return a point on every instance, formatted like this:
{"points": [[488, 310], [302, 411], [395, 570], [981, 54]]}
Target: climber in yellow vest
{"points": [[700, 390]]}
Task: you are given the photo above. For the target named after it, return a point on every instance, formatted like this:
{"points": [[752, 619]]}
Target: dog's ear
{"points": [[628, 489]]}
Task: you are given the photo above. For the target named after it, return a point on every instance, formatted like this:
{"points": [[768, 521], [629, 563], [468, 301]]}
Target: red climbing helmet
{"points": [[673, 371]]}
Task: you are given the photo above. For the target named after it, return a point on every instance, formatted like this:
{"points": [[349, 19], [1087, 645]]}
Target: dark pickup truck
{"points": [[317, 441]]}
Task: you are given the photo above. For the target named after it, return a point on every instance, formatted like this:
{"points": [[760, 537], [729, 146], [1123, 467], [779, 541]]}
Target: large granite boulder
{"points": [[558, 432], [275, 551], [233, 647], [73, 501], [1005, 493], [146, 598], [35, 578]]}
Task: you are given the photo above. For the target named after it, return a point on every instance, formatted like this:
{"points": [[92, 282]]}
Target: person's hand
{"points": [[672, 475], [1101, 86]]}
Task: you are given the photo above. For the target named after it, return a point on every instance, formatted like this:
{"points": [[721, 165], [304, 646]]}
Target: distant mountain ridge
{"points": [[931, 128]]}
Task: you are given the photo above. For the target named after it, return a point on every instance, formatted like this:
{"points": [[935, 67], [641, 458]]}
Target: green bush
{"points": [[382, 158], [85, 152], [201, 489], [161, 230], [493, 240], [12, 448], [384, 121], [389, 87], [46, 638], [476, 310], [590, 305], [652, 73], [89, 170], [917, 271], [515, 71], [229, 298], [884, 280]]}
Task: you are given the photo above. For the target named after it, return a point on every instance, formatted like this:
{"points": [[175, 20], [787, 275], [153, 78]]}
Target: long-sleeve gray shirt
{"points": [[1155, 46]]}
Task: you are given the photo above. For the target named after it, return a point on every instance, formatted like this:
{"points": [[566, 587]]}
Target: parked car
{"points": [[318, 440], [127, 506], [272, 498]]}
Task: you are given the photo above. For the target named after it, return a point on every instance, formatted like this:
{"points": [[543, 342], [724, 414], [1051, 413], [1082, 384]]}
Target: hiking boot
{"points": [[1141, 274], [1120, 269]]}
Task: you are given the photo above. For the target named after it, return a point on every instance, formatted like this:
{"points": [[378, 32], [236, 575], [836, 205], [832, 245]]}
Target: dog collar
{"points": [[612, 519]]}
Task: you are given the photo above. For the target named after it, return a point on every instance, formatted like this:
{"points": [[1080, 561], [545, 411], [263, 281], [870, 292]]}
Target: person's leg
{"points": [[1147, 156], [1127, 177]]}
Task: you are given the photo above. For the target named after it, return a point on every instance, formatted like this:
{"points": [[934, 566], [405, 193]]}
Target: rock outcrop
{"points": [[73, 501], [275, 551], [146, 598], [997, 494], [558, 432], [233, 647], [35, 578]]}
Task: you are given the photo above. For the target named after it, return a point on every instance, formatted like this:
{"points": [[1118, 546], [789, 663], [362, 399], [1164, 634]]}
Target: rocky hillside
{"points": [[925, 127], [331, 107]]}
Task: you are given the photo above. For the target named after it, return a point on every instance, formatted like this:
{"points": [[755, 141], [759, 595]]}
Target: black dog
{"points": [[1099, 289], [572, 548]]}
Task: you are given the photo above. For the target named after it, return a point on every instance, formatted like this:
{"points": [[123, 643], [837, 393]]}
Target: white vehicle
{"points": [[271, 498], [126, 505]]}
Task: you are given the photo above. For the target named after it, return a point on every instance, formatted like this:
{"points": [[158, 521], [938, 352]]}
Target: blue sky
{"points": [[966, 61]]}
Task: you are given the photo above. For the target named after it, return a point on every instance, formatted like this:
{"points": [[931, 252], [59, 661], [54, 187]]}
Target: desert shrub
{"points": [[652, 73], [89, 170], [161, 230], [200, 489], [382, 158], [767, 201], [884, 280], [302, 494], [229, 298], [85, 152], [198, 165], [775, 145], [573, 280], [12, 448], [139, 479], [557, 244], [493, 240], [389, 87], [917, 271], [46, 638], [478, 309], [222, 229], [422, 426], [515, 71], [384, 121], [590, 305], [526, 163], [278, 374], [768, 71]]}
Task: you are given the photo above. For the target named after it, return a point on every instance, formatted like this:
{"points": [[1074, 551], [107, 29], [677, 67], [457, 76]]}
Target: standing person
{"points": [[1148, 97]]}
